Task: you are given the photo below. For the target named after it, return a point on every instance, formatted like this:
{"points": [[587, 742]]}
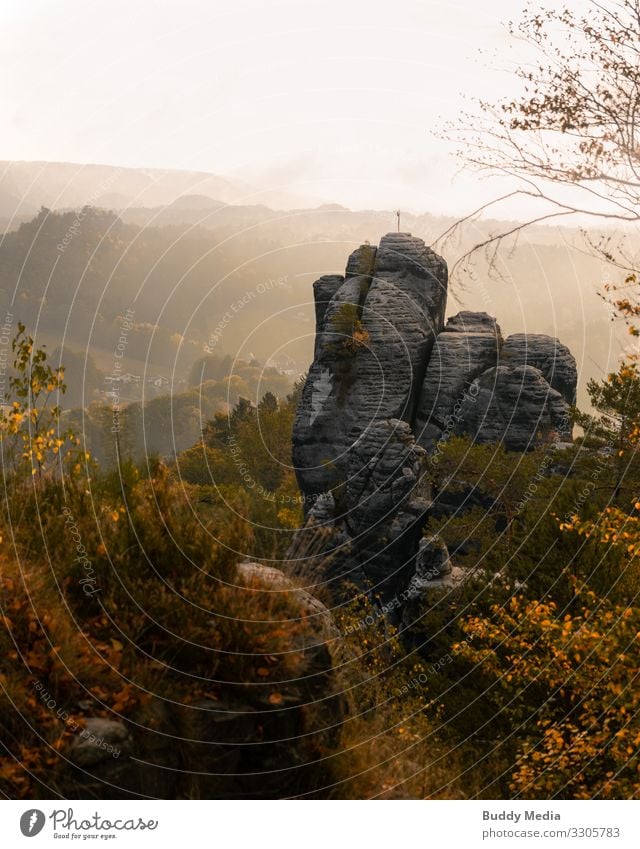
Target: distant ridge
{"points": [[26, 186]]}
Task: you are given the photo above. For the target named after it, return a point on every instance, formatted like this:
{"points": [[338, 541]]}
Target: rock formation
{"points": [[468, 346], [388, 382], [553, 359], [375, 331]]}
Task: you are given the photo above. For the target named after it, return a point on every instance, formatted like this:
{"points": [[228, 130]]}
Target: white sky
{"points": [[333, 99]]}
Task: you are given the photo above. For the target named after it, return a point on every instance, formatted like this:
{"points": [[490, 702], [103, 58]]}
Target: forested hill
{"points": [[241, 277], [71, 277]]}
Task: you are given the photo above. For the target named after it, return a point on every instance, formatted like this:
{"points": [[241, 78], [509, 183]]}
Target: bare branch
{"points": [[574, 126]]}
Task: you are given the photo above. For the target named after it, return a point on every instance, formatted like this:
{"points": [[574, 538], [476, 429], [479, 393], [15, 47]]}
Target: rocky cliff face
{"points": [[388, 383]]}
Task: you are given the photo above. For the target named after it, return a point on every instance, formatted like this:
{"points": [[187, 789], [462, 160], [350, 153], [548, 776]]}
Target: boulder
{"points": [[99, 740], [432, 563], [548, 355], [318, 624], [469, 345], [515, 406], [434, 574]]}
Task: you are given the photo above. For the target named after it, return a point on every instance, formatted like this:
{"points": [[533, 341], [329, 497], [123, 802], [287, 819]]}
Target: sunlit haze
{"points": [[325, 101]]}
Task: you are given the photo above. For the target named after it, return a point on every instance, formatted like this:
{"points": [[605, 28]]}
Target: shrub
{"points": [[566, 685]]}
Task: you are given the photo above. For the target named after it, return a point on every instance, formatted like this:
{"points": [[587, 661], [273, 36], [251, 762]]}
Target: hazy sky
{"points": [[333, 99]]}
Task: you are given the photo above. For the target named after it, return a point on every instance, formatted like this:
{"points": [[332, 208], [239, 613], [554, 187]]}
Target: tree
{"points": [[616, 427], [571, 138], [30, 432], [268, 404], [211, 367]]}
